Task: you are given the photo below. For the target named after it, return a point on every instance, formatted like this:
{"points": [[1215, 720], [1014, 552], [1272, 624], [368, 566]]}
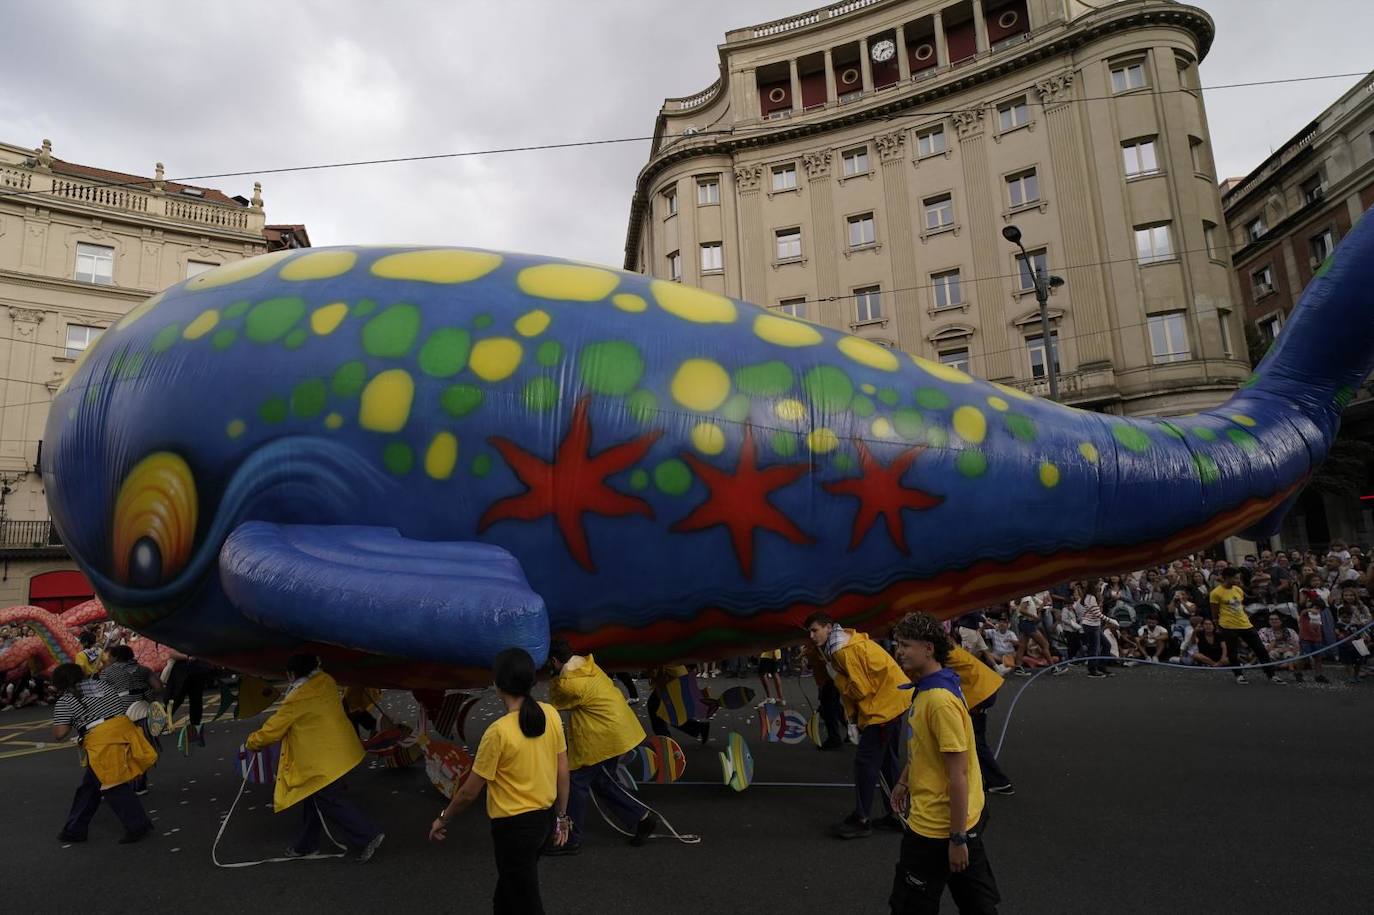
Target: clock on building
{"points": [[883, 50]]}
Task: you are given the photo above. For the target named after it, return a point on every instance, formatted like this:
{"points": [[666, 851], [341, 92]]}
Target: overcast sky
{"points": [[233, 86]]}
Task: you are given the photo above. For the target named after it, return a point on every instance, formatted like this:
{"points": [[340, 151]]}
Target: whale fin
{"points": [[370, 589]]}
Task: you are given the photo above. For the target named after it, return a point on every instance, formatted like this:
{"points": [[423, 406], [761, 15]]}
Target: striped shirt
{"points": [[89, 702], [130, 679], [1089, 613]]}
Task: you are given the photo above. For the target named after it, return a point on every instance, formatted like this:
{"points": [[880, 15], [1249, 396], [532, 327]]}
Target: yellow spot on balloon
{"points": [[333, 421], [438, 266], [202, 325], [866, 352], [882, 428], [822, 440], [325, 319], [628, 302], [942, 372], [785, 331], [1089, 452], [970, 425], [319, 265], [1242, 419], [237, 270], [567, 282], [693, 304], [441, 456], [495, 358], [998, 404], [1049, 475], [138, 312], [1012, 392], [868, 388], [789, 410], [708, 439], [701, 385], [235, 428], [386, 401], [532, 324]]}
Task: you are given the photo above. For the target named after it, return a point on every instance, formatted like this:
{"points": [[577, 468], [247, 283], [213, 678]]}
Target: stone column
{"points": [[941, 42], [903, 62], [753, 253], [796, 84], [830, 94], [980, 26], [990, 262], [820, 187], [905, 320], [865, 65]]}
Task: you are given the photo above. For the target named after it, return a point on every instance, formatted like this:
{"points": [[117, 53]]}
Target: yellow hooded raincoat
{"points": [[318, 744], [868, 680], [602, 726]]}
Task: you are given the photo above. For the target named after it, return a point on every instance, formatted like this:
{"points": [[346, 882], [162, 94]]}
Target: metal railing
{"points": [[28, 535]]}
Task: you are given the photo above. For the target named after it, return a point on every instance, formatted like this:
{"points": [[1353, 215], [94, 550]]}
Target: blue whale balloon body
{"points": [[407, 459]]}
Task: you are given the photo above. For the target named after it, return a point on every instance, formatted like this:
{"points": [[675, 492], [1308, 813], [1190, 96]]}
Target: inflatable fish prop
{"points": [[408, 459], [736, 763]]}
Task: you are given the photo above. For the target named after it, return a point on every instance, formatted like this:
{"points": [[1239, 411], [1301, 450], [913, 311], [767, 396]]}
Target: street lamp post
{"points": [[1043, 284]]}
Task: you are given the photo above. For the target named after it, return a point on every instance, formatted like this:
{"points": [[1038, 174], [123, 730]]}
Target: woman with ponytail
{"points": [[522, 761]]}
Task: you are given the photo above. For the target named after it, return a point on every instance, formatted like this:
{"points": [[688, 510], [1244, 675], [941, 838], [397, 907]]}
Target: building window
{"points": [[1224, 323], [855, 161], [1153, 244], [675, 265], [1262, 280], [1269, 327], [1196, 150], [1023, 188], [868, 304], [789, 244], [1209, 238], [94, 264], [931, 142], [947, 291], [669, 203], [712, 254], [1313, 189], [785, 177], [1321, 246], [1026, 269], [1035, 351], [1126, 77], [1169, 338], [955, 358], [1013, 114], [195, 267], [861, 231], [79, 337], [794, 307], [1140, 157], [1185, 76], [708, 191], [1256, 228], [939, 212]]}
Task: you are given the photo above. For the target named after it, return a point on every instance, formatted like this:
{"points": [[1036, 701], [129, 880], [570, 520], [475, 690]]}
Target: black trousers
{"points": [[518, 840], [628, 681], [333, 803], [1233, 638], [993, 776], [832, 712], [121, 799], [923, 872]]}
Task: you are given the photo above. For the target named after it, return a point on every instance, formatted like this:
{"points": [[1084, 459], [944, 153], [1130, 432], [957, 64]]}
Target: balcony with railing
{"points": [[29, 535]]}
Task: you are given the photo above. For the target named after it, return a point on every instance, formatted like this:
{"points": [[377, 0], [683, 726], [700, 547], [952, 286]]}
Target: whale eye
{"points": [[154, 521]]}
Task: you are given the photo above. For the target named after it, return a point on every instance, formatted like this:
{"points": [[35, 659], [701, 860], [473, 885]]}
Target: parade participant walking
{"points": [[187, 682], [869, 682], [522, 761], [601, 727], [136, 685], [768, 675], [659, 678], [116, 754], [979, 684], [318, 747], [940, 792], [1228, 608], [829, 706]]}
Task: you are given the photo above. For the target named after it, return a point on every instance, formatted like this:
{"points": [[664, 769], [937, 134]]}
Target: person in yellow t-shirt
{"points": [[940, 792], [768, 675], [1228, 607], [522, 761]]}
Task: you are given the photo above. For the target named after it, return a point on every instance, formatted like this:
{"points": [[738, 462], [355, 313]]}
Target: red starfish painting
{"points": [[739, 501], [880, 492], [570, 485]]}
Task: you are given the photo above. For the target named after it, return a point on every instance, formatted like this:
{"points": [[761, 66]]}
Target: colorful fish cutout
{"points": [[792, 729], [643, 761], [813, 729], [669, 760], [737, 763], [446, 763], [259, 767], [681, 700], [736, 697], [770, 722]]}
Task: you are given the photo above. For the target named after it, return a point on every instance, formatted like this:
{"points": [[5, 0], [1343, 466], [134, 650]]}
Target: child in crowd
{"points": [[1312, 634], [1004, 643]]}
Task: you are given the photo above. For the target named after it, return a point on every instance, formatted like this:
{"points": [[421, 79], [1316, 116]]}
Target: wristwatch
{"points": [[958, 838]]}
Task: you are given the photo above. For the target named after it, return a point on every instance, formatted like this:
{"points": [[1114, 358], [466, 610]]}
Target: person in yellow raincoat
{"points": [[318, 747], [869, 682], [117, 753], [980, 684], [601, 727]]}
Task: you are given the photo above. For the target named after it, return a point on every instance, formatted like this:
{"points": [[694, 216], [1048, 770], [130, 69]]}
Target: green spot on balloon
{"points": [[398, 457], [736, 409], [127, 364], [460, 399], [862, 406], [364, 308], [889, 397], [481, 465], [1242, 438], [843, 462], [767, 379], [639, 479], [295, 339], [643, 405], [1170, 430], [308, 398], [391, 334], [237, 309], [1020, 426], [1202, 432], [272, 318], [1343, 396], [1131, 438], [166, 337], [673, 477], [971, 463], [1206, 468], [273, 411], [908, 424], [932, 398], [482, 322], [541, 394], [348, 379], [613, 367], [937, 437], [445, 352], [784, 443], [829, 389], [549, 352], [223, 339]]}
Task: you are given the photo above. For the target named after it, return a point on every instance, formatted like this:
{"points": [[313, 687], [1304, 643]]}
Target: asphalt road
{"points": [[1153, 790]]}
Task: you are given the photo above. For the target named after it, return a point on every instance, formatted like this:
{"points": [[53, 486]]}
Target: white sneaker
{"points": [[1241, 679], [1003, 669], [1277, 680]]}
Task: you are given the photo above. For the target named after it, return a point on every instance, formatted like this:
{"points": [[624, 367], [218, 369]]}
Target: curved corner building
{"points": [[855, 165]]}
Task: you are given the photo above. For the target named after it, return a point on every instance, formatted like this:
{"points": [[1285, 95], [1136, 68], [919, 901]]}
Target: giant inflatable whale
{"points": [[407, 459]]}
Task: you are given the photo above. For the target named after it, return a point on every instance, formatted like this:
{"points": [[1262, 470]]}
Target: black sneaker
{"points": [[556, 851], [852, 827], [1321, 678], [370, 849], [1001, 789], [644, 829], [63, 837], [1097, 674], [293, 852]]}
